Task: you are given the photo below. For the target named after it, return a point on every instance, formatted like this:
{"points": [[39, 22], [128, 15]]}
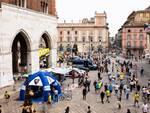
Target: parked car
{"points": [[84, 64]]}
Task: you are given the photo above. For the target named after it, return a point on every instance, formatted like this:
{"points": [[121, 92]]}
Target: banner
{"points": [[43, 51]]}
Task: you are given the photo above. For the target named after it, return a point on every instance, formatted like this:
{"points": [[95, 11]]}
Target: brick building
{"points": [[134, 37], [28, 35], [46, 6]]}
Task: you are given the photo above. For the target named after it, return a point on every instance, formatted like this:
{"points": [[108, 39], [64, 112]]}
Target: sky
{"points": [[117, 10]]}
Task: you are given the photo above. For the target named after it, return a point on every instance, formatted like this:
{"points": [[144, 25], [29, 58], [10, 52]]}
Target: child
{"points": [[7, 96], [49, 99], [119, 103]]}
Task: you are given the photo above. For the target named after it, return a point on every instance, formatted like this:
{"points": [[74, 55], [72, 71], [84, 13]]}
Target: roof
{"points": [[130, 22], [148, 8]]}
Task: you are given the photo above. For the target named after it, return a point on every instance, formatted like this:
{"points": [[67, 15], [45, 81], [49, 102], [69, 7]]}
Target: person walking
{"points": [[94, 84], [127, 93], [107, 95], [88, 82], [128, 111], [142, 71], [138, 87], [6, 96], [89, 110], [84, 93], [99, 75], [102, 95], [67, 109], [136, 99], [0, 108], [145, 108]]}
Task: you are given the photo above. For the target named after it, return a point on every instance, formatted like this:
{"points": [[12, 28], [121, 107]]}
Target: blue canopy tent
{"points": [[40, 79]]}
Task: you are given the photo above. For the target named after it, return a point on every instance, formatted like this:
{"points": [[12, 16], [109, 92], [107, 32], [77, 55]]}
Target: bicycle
{"points": [[66, 95]]}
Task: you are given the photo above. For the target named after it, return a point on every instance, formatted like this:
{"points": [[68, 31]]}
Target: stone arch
{"points": [[21, 53], [45, 42], [24, 33]]}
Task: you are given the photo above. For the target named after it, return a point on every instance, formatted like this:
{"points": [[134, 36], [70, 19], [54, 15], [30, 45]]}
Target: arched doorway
{"points": [[44, 51], [21, 54]]}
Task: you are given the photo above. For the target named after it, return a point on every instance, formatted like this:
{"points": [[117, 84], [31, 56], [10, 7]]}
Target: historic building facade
{"points": [[134, 37], [28, 37], [87, 35]]}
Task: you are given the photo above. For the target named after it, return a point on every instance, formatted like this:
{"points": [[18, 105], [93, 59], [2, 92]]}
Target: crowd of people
{"points": [[123, 84]]}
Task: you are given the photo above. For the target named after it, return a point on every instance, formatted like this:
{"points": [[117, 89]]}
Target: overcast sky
{"points": [[117, 10]]}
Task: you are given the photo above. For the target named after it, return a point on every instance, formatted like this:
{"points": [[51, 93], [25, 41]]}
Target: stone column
{"points": [[6, 76], [53, 57], [34, 61]]}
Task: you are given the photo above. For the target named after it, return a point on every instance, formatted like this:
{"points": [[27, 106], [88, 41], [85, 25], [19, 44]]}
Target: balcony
{"points": [[134, 47]]}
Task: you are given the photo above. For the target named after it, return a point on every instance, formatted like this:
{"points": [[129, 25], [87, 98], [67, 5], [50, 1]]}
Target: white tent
{"points": [[57, 70]]}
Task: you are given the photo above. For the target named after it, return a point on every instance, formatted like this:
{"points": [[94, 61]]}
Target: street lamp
{"points": [[90, 39]]}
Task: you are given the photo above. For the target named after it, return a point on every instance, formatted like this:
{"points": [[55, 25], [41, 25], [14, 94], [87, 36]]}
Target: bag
{"points": [[97, 86]]}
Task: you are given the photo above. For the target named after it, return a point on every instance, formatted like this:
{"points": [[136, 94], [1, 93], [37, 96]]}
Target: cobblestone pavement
{"points": [[77, 105]]}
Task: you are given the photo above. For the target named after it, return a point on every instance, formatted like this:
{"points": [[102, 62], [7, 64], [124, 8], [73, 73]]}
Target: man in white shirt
{"points": [[145, 108]]}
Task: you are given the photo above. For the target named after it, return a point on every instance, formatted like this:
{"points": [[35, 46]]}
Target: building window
{"points": [[134, 43], [92, 47], [21, 3], [68, 32], [83, 33], [61, 39], [134, 36], [76, 39], [141, 37], [141, 30], [68, 39], [129, 30], [76, 32], [128, 37], [100, 33], [91, 39], [99, 38], [91, 33], [141, 43], [44, 7], [60, 32], [83, 39], [128, 43]]}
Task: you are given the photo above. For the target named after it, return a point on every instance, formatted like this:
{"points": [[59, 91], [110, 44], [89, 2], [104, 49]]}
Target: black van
{"points": [[84, 64]]}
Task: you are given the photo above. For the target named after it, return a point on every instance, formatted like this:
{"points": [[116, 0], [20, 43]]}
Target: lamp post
{"points": [[89, 46]]}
